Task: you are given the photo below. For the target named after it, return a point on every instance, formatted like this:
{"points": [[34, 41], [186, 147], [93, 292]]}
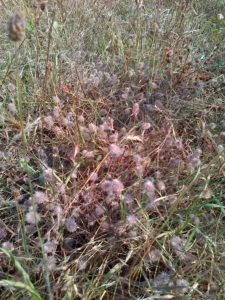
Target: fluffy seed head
{"points": [[171, 199], [56, 112], [115, 150], [94, 177], [30, 229], [85, 133], [51, 263], [195, 162], [88, 154], [137, 159], [32, 217], [106, 186], [117, 186], [111, 187], [99, 211], [177, 244], [58, 211], [161, 186], [108, 124], [49, 247], [8, 246], [71, 225], [81, 119], [12, 108], [92, 128], [131, 220], [104, 226], [49, 122], [56, 100], [103, 112], [58, 131], [162, 280], [154, 255], [153, 85], [113, 138], [48, 175], [139, 169], [145, 126], [182, 285], [149, 187], [135, 110], [197, 153], [40, 197]]}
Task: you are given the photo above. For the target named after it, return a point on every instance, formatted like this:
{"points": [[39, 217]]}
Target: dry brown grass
{"points": [[112, 151]]}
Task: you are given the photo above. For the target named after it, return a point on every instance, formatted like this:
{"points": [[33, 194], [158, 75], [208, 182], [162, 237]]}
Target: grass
{"points": [[112, 150]]}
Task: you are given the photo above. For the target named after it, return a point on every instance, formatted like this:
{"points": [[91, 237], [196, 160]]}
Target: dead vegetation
{"points": [[112, 151]]}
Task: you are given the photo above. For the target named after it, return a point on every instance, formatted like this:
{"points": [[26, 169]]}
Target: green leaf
{"points": [[27, 168], [27, 285]]}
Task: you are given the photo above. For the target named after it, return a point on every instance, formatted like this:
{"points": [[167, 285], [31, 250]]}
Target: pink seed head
{"points": [[115, 150], [149, 187], [135, 110]]}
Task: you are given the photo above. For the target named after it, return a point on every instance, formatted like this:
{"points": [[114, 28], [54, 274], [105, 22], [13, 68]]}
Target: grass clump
{"points": [[112, 150]]}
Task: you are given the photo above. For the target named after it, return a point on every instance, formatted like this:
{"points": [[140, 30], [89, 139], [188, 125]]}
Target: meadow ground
{"points": [[112, 133]]}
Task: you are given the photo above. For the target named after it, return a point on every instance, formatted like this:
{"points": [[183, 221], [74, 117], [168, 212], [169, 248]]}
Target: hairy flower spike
{"points": [[56, 100], [113, 138], [161, 186], [12, 108], [88, 154], [49, 247], [56, 112], [135, 110], [32, 217], [131, 220], [149, 187], [8, 246], [162, 280], [49, 122], [99, 211], [137, 159], [92, 128], [93, 177], [108, 124], [81, 119], [16, 27], [48, 175], [106, 186], [139, 169], [112, 187], [182, 286], [145, 126], [115, 150], [71, 225], [154, 255], [40, 197], [50, 262], [117, 186]]}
